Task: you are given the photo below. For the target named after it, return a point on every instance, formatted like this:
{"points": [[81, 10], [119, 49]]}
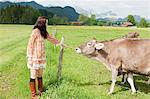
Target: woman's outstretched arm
{"points": [[52, 39]]}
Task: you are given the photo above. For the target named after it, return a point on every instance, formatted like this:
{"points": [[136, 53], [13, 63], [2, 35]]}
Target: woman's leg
{"points": [[40, 82], [33, 83], [33, 73], [39, 72]]}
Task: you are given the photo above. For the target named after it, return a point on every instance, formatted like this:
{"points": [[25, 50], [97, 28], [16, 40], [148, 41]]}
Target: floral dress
{"points": [[36, 57]]}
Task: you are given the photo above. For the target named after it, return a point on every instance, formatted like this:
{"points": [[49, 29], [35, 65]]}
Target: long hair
{"points": [[41, 25]]}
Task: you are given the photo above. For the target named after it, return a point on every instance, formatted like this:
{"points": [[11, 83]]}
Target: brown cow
{"points": [[131, 54]]}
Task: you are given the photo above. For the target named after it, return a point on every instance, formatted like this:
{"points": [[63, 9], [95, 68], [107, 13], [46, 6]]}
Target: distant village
{"points": [[123, 24], [129, 21]]}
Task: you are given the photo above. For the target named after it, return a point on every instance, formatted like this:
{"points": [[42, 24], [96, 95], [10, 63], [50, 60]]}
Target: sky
{"points": [[120, 7]]}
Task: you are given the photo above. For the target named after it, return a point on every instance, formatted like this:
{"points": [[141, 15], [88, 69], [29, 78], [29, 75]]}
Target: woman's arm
{"points": [[52, 39], [30, 44]]}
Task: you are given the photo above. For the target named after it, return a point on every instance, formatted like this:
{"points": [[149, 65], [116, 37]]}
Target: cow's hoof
{"points": [[133, 93]]}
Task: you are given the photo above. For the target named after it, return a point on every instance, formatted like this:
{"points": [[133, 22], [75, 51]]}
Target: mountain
{"points": [[82, 11], [5, 4], [71, 13], [67, 11], [107, 14], [136, 17], [32, 4]]}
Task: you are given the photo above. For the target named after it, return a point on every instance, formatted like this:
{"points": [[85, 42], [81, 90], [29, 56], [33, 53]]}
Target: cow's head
{"points": [[89, 47]]}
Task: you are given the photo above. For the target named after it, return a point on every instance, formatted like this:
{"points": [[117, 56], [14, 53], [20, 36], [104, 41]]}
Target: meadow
{"points": [[82, 78]]}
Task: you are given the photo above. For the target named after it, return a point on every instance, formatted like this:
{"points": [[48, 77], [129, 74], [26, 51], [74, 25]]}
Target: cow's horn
{"points": [[99, 46]]}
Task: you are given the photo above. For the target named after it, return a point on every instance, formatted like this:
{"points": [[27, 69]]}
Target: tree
{"points": [[131, 19], [93, 17], [101, 23], [109, 23], [82, 18], [143, 23], [16, 14], [57, 20], [29, 16], [46, 13], [91, 20]]}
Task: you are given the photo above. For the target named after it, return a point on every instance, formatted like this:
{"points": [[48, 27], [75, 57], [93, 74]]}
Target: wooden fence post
{"points": [[59, 73]]}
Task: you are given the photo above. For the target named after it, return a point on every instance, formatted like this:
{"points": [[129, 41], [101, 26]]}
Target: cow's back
{"points": [[132, 54], [135, 55]]}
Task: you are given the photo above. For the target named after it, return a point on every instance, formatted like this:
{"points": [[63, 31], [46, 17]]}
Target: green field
{"points": [[82, 78]]}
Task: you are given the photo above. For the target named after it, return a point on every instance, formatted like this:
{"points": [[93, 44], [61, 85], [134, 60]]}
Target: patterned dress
{"points": [[36, 57]]}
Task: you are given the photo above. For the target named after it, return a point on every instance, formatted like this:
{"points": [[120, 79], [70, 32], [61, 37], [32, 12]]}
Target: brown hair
{"points": [[41, 25]]}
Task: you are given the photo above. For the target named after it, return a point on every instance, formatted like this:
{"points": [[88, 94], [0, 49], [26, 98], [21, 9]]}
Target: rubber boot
{"points": [[33, 88], [40, 86]]}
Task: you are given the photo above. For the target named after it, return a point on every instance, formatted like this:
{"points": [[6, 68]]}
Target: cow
{"points": [[132, 55]]}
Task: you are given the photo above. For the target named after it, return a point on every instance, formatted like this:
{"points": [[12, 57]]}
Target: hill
{"points": [[67, 11]]}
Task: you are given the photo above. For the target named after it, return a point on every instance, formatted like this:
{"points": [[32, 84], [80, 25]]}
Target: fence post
{"points": [[59, 73]]}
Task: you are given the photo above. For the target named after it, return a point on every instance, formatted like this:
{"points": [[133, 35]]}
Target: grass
{"points": [[82, 78]]}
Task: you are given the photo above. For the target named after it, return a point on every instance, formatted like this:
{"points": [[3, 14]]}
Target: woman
{"points": [[36, 54]]}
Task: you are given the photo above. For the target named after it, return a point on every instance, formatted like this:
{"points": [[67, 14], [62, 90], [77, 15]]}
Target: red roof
{"points": [[127, 24]]}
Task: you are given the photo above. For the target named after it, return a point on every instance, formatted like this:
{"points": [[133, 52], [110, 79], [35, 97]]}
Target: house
{"points": [[127, 24], [77, 23]]}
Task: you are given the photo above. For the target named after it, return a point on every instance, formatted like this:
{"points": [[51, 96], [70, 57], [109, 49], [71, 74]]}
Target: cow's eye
{"points": [[89, 44]]}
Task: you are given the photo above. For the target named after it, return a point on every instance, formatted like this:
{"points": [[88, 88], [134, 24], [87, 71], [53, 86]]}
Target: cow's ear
{"points": [[99, 46]]}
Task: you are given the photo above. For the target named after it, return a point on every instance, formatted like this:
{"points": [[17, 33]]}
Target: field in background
{"points": [[82, 78]]}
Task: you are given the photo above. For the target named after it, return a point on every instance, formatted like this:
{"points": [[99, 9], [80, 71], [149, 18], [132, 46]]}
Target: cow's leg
{"points": [[124, 78], [114, 76], [130, 80]]}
